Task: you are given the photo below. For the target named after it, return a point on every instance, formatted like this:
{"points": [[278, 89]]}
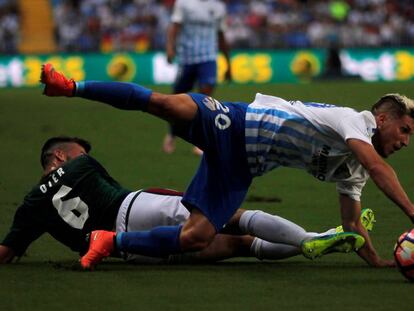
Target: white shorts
{"points": [[143, 210]]}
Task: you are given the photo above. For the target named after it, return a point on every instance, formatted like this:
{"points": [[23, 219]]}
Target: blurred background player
{"points": [[194, 37]]}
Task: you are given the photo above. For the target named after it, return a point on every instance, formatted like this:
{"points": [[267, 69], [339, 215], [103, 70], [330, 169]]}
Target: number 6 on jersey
{"points": [[73, 211]]}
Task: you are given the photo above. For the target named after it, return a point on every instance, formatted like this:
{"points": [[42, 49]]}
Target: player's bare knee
{"points": [[234, 220], [195, 240]]}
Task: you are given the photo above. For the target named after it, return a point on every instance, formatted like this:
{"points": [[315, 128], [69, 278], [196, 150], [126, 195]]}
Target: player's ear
{"points": [[60, 155], [381, 118]]}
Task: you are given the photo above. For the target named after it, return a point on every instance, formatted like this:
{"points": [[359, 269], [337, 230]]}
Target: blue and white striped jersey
{"points": [[200, 22], [309, 136]]}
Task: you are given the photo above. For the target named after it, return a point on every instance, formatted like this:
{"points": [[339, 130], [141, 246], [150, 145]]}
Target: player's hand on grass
{"points": [[372, 258]]}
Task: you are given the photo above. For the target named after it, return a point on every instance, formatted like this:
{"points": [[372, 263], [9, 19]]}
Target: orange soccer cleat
{"points": [[56, 84], [101, 245]]}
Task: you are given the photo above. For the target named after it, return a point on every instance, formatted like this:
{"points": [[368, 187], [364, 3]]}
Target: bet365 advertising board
{"points": [[247, 66]]}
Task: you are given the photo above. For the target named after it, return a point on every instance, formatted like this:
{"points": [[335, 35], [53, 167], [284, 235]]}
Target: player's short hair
{"points": [[52, 143], [396, 104]]}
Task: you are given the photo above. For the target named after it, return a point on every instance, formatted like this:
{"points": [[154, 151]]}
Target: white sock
{"points": [[266, 250], [272, 228], [327, 232]]}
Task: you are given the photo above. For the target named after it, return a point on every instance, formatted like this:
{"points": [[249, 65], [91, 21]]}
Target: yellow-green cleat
{"points": [[367, 219], [342, 242]]}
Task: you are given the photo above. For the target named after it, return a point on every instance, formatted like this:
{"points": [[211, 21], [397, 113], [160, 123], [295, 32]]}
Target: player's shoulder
{"points": [[69, 173], [73, 169], [179, 4], [81, 160], [368, 117], [82, 165], [349, 116], [218, 4], [222, 6], [215, 5], [219, 7], [263, 100]]}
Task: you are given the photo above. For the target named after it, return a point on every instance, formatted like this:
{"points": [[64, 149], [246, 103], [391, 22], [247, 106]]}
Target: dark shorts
{"points": [[223, 178], [188, 75]]}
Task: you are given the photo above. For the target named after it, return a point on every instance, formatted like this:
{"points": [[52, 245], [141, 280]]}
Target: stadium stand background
{"points": [[9, 27], [44, 26]]}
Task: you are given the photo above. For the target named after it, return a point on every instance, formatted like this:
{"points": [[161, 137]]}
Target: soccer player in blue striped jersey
{"points": [[196, 33], [241, 141]]}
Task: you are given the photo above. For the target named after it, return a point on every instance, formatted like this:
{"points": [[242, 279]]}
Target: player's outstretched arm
{"points": [[350, 213], [6, 254], [382, 174]]}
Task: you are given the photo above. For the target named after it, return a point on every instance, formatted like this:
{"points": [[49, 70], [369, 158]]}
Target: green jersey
{"points": [[69, 202]]}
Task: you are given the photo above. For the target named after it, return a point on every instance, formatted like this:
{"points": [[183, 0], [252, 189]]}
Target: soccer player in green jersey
{"points": [[76, 196]]}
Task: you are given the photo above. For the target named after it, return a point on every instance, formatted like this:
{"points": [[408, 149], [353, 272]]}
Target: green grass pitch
{"points": [[129, 146]]}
